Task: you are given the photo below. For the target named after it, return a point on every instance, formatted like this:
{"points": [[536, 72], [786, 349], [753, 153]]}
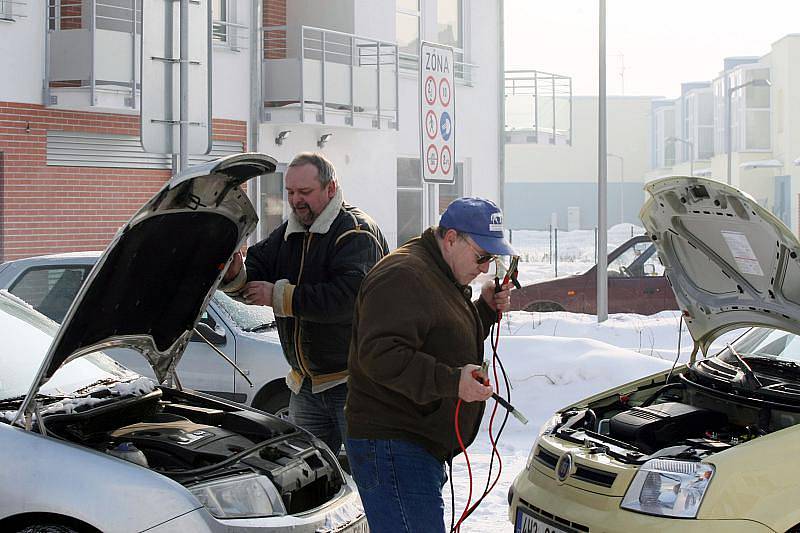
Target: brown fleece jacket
{"points": [[414, 328]]}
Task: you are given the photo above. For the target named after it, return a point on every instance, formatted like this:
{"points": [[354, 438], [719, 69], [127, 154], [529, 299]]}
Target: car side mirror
{"points": [[649, 269], [212, 335]]}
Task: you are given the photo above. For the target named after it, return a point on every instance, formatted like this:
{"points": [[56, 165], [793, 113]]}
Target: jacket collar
{"points": [[431, 245], [323, 222]]}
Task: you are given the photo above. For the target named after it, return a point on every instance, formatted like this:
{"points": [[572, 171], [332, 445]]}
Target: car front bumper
{"points": [[572, 509], [344, 515]]}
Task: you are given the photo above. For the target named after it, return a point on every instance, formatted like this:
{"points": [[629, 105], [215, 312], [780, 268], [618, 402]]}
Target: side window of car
{"points": [[618, 268], [50, 290]]}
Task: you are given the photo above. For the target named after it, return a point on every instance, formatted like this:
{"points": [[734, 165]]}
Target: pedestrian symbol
{"points": [[430, 124]]}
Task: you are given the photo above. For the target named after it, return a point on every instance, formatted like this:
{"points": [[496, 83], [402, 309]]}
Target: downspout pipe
{"points": [[256, 101]]}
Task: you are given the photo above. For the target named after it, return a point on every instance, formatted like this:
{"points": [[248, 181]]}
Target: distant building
{"points": [[551, 154], [748, 106], [336, 76]]}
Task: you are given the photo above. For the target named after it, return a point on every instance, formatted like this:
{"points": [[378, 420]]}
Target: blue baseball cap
{"points": [[480, 219]]}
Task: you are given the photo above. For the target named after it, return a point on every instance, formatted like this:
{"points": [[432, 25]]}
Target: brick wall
{"points": [[274, 13], [50, 209]]}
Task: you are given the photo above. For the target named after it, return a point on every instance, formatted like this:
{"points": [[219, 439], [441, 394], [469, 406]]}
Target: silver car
{"points": [[244, 333], [90, 445]]}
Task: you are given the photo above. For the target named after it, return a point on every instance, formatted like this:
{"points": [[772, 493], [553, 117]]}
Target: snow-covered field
{"points": [[554, 359]]}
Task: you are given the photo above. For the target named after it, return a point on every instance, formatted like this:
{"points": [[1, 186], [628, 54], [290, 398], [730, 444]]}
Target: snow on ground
{"points": [[555, 359]]}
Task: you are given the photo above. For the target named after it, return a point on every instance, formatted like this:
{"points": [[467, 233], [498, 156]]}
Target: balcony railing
{"points": [[12, 10], [93, 51], [329, 77], [462, 71], [538, 107]]}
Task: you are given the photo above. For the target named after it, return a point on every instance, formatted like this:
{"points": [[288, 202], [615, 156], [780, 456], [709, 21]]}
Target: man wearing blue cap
{"points": [[417, 339]]}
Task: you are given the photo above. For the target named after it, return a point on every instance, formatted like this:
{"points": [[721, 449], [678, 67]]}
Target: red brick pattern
{"points": [[274, 13], [71, 11], [52, 209]]}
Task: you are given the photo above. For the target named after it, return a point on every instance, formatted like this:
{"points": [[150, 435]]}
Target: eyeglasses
{"points": [[479, 257]]}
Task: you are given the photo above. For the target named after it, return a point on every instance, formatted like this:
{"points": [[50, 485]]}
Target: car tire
{"points": [[543, 307], [47, 528], [277, 404]]}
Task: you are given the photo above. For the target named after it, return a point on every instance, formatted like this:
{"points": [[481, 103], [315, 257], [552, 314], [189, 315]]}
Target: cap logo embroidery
{"points": [[496, 222]]}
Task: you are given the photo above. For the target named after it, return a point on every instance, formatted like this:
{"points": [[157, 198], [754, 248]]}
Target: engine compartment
{"points": [[192, 439], [693, 416]]}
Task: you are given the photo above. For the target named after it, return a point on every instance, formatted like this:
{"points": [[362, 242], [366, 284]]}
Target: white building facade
{"points": [[336, 76]]}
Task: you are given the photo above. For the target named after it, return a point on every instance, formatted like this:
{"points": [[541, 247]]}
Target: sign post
{"points": [[176, 78], [437, 115]]}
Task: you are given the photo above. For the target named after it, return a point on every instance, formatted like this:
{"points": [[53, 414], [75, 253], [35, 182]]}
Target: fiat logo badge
{"points": [[564, 467]]}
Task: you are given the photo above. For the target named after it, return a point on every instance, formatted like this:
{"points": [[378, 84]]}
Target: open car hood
{"points": [[149, 288], [731, 263]]}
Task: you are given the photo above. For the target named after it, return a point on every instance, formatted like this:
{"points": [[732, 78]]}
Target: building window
{"points": [[272, 203], [450, 191], [449, 23], [409, 199], [450, 31], [408, 26], [219, 15]]}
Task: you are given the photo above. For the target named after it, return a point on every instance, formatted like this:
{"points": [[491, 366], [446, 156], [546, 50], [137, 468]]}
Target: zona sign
{"points": [[437, 115]]}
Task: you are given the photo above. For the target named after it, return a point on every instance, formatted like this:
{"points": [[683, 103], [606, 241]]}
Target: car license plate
{"points": [[527, 523]]}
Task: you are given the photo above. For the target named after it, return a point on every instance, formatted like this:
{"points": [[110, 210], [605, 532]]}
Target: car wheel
{"points": [[277, 404], [47, 528], [543, 307]]}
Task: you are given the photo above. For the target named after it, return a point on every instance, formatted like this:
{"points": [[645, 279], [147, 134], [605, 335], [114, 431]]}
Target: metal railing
{"points": [[11, 10], [462, 71], [344, 60], [121, 16], [124, 16], [539, 102]]}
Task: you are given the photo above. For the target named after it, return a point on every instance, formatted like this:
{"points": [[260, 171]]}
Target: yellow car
{"points": [[707, 446]]}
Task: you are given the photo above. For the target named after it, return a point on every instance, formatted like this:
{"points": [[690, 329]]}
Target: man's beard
{"points": [[307, 217]]}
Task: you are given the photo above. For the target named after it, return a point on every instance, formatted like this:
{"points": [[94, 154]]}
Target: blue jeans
{"points": [[322, 414], [400, 484]]}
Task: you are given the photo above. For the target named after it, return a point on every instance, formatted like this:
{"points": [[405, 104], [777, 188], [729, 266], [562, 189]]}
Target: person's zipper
{"points": [[297, 345]]}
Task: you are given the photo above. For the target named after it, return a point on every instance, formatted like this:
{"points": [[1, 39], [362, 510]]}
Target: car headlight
{"points": [[666, 487], [250, 495], [546, 428]]}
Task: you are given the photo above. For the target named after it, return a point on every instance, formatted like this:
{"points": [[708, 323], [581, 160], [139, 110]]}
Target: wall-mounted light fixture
{"points": [[323, 140], [282, 136]]}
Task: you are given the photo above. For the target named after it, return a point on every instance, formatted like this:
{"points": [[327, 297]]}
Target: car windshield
{"points": [[246, 317], [770, 343], [27, 335]]}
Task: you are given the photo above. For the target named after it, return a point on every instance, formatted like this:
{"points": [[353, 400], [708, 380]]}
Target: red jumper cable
{"points": [[510, 274]]}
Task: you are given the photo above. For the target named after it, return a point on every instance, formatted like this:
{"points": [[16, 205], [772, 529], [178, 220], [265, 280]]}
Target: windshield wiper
{"points": [[746, 377], [780, 364], [260, 327]]}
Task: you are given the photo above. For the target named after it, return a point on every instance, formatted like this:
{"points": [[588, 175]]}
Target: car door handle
{"points": [[650, 290]]}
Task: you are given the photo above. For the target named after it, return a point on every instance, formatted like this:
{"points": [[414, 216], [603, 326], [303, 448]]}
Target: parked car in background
{"points": [[636, 284], [245, 333], [89, 445], [709, 445]]}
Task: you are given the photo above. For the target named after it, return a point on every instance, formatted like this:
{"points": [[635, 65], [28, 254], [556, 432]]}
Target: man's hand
{"points": [[470, 389], [258, 293], [498, 301], [233, 268]]}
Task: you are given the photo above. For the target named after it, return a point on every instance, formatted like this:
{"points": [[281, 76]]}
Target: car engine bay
{"points": [[709, 407], [195, 440]]}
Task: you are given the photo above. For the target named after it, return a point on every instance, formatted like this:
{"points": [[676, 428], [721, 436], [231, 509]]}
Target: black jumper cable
{"points": [[509, 274]]}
